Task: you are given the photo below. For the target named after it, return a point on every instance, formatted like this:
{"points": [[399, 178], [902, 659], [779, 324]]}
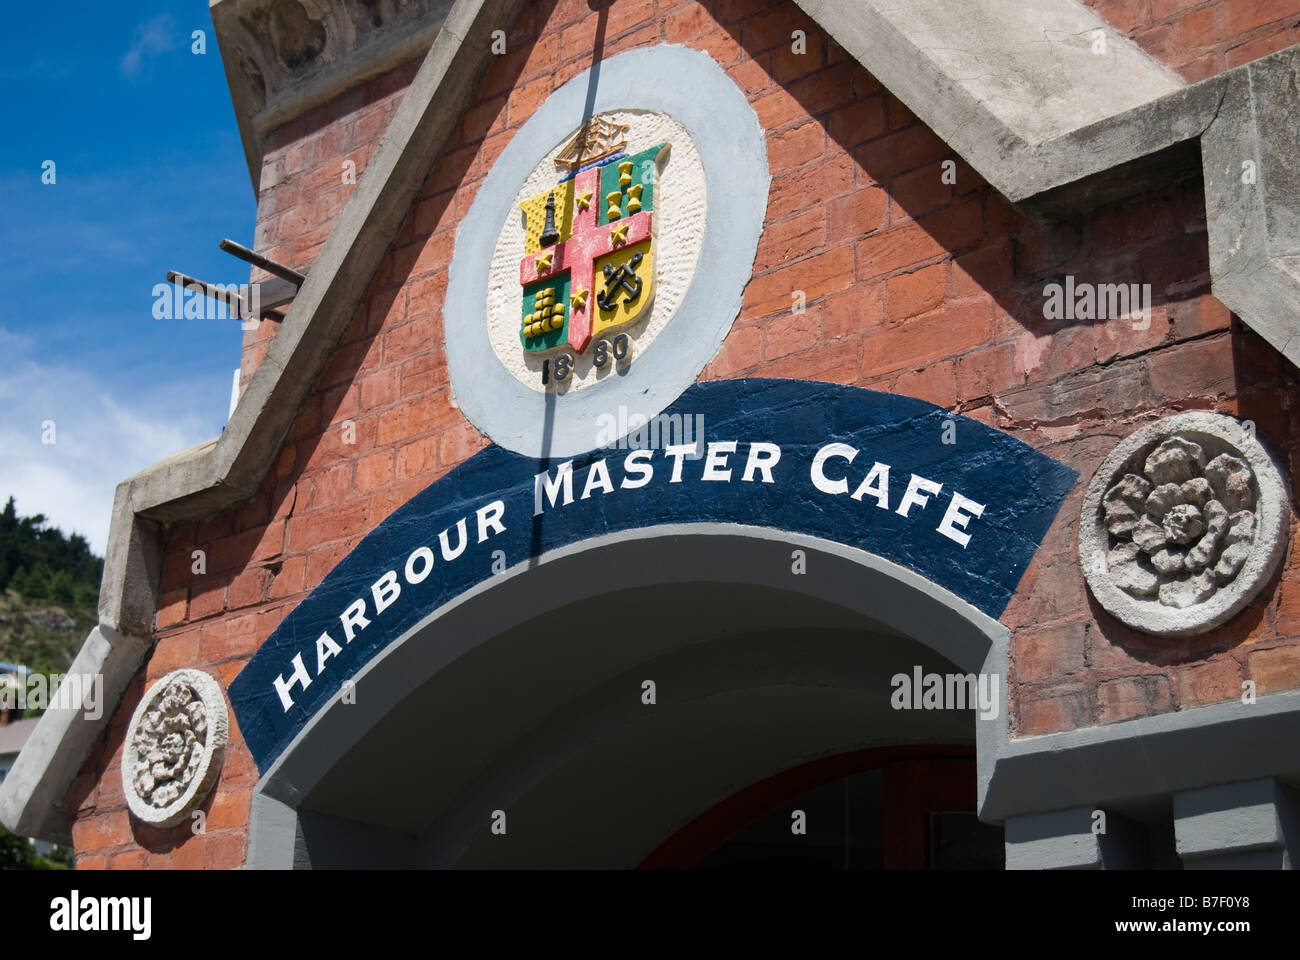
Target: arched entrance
{"points": [[525, 703], [906, 807]]}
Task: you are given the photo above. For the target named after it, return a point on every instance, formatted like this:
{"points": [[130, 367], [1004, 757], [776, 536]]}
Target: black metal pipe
{"points": [[257, 260], [208, 290]]}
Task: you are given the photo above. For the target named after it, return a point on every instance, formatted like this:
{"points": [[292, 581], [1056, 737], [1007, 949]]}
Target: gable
{"points": [[886, 258]]}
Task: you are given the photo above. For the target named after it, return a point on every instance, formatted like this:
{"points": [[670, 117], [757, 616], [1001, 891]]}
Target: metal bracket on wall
{"points": [[262, 298]]}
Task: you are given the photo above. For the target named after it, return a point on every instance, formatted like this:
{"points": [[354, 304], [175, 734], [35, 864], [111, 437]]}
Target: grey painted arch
{"points": [[1035, 777], [682, 553], [690, 87]]}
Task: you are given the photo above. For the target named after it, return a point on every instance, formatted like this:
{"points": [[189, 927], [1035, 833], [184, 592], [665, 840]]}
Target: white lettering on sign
{"points": [[597, 479], [354, 619], [298, 676], [832, 471], [325, 648], [489, 518], [425, 557], [917, 487], [961, 510], [762, 458], [954, 517], [637, 462], [544, 485], [386, 590], [819, 479], [449, 553], [876, 483], [715, 461]]}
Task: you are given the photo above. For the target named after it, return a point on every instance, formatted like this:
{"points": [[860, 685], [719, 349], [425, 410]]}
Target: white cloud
{"points": [[151, 38], [101, 436]]}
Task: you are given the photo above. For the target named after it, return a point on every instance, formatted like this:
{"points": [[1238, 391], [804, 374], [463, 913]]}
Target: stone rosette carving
{"points": [[174, 747], [1183, 524]]}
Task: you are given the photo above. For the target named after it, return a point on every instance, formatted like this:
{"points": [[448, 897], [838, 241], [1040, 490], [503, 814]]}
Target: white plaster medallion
{"points": [[605, 255], [174, 747], [1183, 524]]}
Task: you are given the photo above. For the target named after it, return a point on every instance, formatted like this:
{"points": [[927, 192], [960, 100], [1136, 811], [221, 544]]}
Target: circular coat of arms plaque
{"points": [[604, 257], [597, 260]]}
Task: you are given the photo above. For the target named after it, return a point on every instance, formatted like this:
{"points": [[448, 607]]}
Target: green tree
{"points": [[61, 587], [18, 853], [38, 582], [27, 543]]}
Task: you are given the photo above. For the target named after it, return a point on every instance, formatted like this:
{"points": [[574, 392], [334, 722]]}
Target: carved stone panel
{"points": [[174, 747], [1183, 524]]}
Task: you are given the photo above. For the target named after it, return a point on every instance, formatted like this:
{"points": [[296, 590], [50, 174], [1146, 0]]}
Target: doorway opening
{"points": [[564, 720], [895, 808]]}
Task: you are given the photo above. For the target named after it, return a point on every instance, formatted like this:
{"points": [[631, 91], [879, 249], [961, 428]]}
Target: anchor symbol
{"points": [[624, 278]]}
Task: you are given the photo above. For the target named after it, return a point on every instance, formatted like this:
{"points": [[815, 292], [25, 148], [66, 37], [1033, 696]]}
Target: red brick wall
{"points": [[1200, 38], [912, 285], [309, 170]]}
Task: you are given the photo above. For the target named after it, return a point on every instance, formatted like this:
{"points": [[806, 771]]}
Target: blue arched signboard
{"points": [[956, 501]]}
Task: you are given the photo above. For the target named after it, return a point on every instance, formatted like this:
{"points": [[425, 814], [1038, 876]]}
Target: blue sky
{"points": [[150, 175]]}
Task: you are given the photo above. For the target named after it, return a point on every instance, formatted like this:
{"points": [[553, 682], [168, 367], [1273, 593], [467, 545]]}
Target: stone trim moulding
{"points": [[1148, 757], [1252, 198], [1016, 88], [1102, 129], [1055, 166], [1183, 524], [283, 57], [1238, 825]]}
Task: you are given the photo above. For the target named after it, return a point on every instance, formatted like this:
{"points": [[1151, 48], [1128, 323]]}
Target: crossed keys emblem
{"points": [[624, 278]]}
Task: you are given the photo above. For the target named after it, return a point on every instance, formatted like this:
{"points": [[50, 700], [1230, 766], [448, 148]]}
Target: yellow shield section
{"points": [[534, 209], [627, 309]]}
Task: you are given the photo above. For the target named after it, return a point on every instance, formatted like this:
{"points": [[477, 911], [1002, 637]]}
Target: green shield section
{"points": [[537, 301], [643, 174]]}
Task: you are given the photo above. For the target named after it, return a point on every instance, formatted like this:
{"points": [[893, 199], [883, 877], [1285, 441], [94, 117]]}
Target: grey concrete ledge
{"points": [[1232, 819], [1252, 198], [1016, 88], [1070, 840], [1061, 839], [1018, 91], [1183, 750]]}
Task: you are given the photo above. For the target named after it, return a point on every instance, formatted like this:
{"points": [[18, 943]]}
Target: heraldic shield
{"points": [[588, 265]]}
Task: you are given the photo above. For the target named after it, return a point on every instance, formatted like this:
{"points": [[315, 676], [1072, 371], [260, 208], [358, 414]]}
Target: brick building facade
{"points": [[921, 245]]}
